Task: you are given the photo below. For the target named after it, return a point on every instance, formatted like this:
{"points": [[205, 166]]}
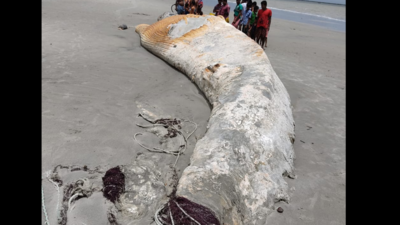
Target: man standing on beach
{"points": [[244, 5], [224, 10], [263, 24], [217, 8], [237, 13]]}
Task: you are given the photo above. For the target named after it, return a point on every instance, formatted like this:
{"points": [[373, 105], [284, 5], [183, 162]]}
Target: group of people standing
{"points": [[251, 20], [248, 17], [189, 7]]}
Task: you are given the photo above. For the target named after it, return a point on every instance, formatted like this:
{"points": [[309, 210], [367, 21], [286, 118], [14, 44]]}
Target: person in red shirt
{"points": [[263, 24]]}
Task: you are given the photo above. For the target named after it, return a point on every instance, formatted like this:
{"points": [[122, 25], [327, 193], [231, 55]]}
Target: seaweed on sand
{"points": [[114, 184]]}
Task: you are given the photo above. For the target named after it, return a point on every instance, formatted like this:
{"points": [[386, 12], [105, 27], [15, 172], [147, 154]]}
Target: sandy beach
{"points": [[96, 79]]}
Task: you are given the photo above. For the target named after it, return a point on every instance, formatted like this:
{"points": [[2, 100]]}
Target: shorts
{"points": [[253, 31], [261, 32]]}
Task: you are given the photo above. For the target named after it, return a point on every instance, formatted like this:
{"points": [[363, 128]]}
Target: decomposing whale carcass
{"points": [[237, 168]]}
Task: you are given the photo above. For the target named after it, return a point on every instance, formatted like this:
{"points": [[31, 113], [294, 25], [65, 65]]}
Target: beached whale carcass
{"points": [[237, 168]]}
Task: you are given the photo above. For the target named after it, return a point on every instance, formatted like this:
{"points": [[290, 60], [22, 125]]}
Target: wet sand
{"points": [[96, 79]]}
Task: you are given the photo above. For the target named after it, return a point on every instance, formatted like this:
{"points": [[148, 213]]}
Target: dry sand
{"points": [[96, 79]]}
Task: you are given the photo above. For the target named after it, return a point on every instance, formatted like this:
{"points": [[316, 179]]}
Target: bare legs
{"points": [[262, 40], [265, 43]]}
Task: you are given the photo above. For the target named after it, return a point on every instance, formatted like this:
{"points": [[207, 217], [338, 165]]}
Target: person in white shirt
{"points": [[244, 5]]}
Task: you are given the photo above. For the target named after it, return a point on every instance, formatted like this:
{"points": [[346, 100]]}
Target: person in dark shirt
{"points": [[224, 10], [217, 7], [199, 4]]}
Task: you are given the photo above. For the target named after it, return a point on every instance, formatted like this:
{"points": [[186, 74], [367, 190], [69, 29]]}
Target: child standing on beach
{"points": [[253, 22], [180, 7], [246, 18], [263, 24]]}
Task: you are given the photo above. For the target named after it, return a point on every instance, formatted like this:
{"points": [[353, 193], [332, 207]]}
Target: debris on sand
{"points": [[114, 184], [180, 211], [173, 131], [123, 27]]}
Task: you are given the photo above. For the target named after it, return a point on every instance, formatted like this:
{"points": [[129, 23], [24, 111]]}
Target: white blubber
{"points": [[237, 168]]}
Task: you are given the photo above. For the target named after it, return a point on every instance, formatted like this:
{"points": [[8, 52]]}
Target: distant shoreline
{"points": [[333, 2]]}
